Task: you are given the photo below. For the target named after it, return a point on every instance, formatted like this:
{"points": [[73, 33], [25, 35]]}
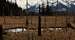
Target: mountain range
{"points": [[59, 7], [54, 6]]}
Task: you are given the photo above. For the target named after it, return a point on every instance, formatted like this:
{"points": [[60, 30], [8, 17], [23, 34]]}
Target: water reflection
{"points": [[31, 30]]}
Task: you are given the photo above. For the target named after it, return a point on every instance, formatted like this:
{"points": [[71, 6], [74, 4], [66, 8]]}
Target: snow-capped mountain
{"points": [[72, 8], [55, 5], [59, 7]]}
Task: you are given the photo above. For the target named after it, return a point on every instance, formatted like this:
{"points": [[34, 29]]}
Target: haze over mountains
{"points": [[55, 5]]}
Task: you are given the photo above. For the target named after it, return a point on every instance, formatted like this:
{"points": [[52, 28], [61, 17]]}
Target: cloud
{"points": [[11, 1], [21, 3]]}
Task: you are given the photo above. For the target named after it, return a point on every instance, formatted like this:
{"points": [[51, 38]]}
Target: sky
{"points": [[22, 3]]}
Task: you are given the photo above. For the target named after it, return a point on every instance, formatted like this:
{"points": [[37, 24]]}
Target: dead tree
{"points": [[1, 32], [39, 23]]}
